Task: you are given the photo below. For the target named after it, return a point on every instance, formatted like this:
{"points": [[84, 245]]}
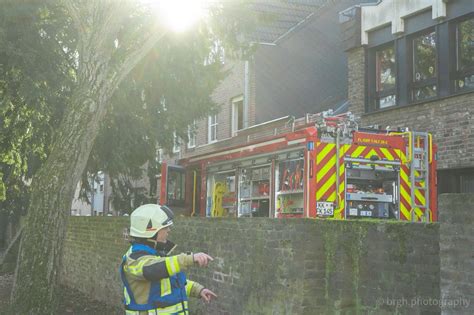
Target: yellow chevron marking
{"points": [[357, 152], [331, 181], [405, 195], [420, 196], [332, 197], [418, 213], [326, 168], [343, 150], [338, 212], [371, 152], [402, 156], [421, 186], [404, 177], [422, 183], [387, 154], [397, 154], [341, 169], [324, 152], [405, 211], [341, 187]]}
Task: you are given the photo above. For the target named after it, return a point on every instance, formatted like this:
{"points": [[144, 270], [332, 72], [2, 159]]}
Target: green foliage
{"points": [[164, 94], [31, 63], [168, 89]]}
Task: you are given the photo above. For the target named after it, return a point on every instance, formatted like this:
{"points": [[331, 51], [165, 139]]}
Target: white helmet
{"points": [[147, 220]]}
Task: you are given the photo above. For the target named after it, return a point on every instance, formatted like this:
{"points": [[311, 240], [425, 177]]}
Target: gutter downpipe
{"points": [[246, 94], [194, 193], [337, 167]]}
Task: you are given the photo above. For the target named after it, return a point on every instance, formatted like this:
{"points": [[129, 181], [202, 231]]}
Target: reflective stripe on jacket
{"points": [[175, 309], [155, 284]]}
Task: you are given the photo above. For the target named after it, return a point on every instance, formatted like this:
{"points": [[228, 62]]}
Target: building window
{"points": [[212, 129], [176, 143], [159, 156], [424, 74], [385, 77], [175, 186], [237, 114], [467, 183], [192, 135], [464, 77]]}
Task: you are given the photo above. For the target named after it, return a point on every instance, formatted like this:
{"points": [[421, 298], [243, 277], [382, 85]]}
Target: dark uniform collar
{"points": [[163, 249]]}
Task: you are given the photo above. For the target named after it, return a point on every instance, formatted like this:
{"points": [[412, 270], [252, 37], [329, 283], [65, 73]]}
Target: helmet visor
{"points": [[169, 214]]}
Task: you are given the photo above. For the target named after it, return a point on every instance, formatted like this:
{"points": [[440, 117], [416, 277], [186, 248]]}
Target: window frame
{"points": [[211, 125], [176, 143], [412, 85], [455, 73], [179, 174], [191, 135], [159, 155], [446, 61], [234, 114], [375, 95]]}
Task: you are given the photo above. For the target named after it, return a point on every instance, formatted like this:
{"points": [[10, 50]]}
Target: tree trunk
{"points": [[36, 278], [97, 22]]}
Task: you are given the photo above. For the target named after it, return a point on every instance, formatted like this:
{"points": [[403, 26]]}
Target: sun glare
{"points": [[180, 15]]}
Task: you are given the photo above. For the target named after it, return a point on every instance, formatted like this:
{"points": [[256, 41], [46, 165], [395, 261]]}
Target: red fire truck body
{"points": [[327, 168]]}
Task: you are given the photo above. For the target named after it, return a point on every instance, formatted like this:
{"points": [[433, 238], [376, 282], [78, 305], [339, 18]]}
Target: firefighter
{"points": [[153, 281]]}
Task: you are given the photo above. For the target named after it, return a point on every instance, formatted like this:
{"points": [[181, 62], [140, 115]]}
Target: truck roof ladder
{"points": [[420, 158]]}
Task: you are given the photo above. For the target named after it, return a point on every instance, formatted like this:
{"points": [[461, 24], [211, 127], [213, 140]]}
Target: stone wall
{"points": [[268, 266], [457, 252]]}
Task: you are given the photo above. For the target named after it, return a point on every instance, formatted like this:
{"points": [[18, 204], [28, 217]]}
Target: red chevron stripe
{"points": [[351, 150], [326, 176], [328, 192], [328, 156], [405, 169], [418, 201], [405, 185], [406, 203], [319, 147], [379, 153], [393, 152], [365, 152]]}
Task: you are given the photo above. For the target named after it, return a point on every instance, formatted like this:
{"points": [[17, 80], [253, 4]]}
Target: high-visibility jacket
{"points": [[155, 284]]}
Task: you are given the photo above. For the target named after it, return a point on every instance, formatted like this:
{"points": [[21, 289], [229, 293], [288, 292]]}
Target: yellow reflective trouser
{"points": [[170, 310]]}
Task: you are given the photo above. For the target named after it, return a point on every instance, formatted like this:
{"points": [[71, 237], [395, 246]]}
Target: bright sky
{"points": [[180, 15]]}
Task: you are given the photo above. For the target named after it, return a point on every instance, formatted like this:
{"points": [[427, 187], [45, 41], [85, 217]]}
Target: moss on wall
{"points": [[265, 266]]}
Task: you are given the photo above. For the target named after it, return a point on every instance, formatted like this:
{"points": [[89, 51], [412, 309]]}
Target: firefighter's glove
{"points": [[202, 259], [207, 295]]}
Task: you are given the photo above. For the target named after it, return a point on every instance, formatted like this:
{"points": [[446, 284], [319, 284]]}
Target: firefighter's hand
{"points": [[202, 259], [207, 295]]}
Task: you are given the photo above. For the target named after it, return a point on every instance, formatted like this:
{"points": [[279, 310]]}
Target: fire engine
{"points": [[320, 166]]}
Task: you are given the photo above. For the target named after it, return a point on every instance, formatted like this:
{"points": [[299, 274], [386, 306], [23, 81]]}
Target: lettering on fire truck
{"points": [[372, 141]]}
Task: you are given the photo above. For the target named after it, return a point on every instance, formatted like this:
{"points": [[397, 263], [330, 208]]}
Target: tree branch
{"points": [[134, 58], [75, 15], [67, 57]]}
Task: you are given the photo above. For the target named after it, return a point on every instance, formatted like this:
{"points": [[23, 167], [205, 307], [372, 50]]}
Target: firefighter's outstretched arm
{"points": [[194, 289], [155, 268]]}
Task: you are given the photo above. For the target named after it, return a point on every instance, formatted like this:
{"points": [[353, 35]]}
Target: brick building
{"points": [[411, 64], [299, 67]]}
